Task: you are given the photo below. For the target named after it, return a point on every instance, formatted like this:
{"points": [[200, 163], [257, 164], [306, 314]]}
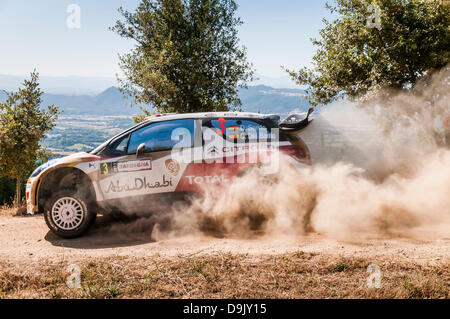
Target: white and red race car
{"points": [[158, 161]]}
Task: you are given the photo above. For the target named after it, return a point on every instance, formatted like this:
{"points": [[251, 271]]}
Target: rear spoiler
{"points": [[296, 122]]}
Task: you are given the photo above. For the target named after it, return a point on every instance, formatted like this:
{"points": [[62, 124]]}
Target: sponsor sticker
{"points": [[216, 179], [173, 167], [129, 166], [139, 184]]}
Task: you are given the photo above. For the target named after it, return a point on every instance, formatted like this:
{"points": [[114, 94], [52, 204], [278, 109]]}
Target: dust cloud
{"points": [[338, 201], [381, 169]]}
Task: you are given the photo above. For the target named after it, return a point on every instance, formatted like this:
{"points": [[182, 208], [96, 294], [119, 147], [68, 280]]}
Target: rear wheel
{"points": [[68, 215]]}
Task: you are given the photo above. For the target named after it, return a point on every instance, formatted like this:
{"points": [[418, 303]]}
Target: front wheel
{"points": [[68, 215]]}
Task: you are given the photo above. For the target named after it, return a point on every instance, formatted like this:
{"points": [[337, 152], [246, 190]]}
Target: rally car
{"points": [[161, 160]]}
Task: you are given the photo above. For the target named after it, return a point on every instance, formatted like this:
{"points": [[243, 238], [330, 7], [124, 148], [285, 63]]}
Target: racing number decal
{"points": [[222, 125], [105, 169]]}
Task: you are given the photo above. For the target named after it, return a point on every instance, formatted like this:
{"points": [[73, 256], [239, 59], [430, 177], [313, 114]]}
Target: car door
{"points": [[133, 182]]}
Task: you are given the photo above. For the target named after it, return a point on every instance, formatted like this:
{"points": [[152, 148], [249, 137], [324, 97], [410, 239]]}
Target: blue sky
{"points": [[34, 35]]}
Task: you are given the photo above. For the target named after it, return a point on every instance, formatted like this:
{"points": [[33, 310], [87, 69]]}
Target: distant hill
{"points": [[260, 98], [68, 85], [109, 102], [265, 99], [76, 85]]}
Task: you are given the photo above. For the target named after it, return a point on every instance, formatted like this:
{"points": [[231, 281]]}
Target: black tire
{"points": [[77, 205]]}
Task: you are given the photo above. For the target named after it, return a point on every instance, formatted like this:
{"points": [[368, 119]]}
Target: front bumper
{"points": [[30, 209], [30, 192]]}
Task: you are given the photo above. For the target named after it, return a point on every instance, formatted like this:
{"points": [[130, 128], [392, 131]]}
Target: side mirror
{"points": [[140, 150]]}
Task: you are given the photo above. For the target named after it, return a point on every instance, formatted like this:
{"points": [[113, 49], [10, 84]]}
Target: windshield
{"points": [[100, 147]]}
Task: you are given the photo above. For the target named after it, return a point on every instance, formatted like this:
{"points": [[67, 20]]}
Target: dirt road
{"points": [[24, 239], [27, 248]]}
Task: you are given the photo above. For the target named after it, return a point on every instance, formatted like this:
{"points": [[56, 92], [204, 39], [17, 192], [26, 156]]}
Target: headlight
{"points": [[38, 170]]}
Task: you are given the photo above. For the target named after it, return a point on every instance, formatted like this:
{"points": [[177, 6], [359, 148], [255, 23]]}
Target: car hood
{"points": [[70, 160], [77, 158]]}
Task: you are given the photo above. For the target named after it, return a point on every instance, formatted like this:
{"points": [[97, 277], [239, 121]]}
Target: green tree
{"points": [[23, 123], [187, 56], [7, 188], [356, 57]]}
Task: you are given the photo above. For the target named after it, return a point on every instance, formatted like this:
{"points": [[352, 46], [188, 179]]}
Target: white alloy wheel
{"points": [[67, 213]]}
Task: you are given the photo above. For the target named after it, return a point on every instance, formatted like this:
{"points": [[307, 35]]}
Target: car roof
{"points": [[206, 115]]}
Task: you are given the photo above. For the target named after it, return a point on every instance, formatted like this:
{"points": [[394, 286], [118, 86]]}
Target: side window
{"points": [[119, 146], [242, 131], [163, 136]]}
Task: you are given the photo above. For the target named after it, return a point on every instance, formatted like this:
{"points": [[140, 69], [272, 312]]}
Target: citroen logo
{"points": [[213, 150]]}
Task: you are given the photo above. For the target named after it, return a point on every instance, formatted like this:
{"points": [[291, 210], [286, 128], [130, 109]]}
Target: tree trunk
{"points": [[18, 199]]}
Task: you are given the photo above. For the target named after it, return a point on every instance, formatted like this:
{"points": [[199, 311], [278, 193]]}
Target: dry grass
{"points": [[11, 211], [299, 275]]}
